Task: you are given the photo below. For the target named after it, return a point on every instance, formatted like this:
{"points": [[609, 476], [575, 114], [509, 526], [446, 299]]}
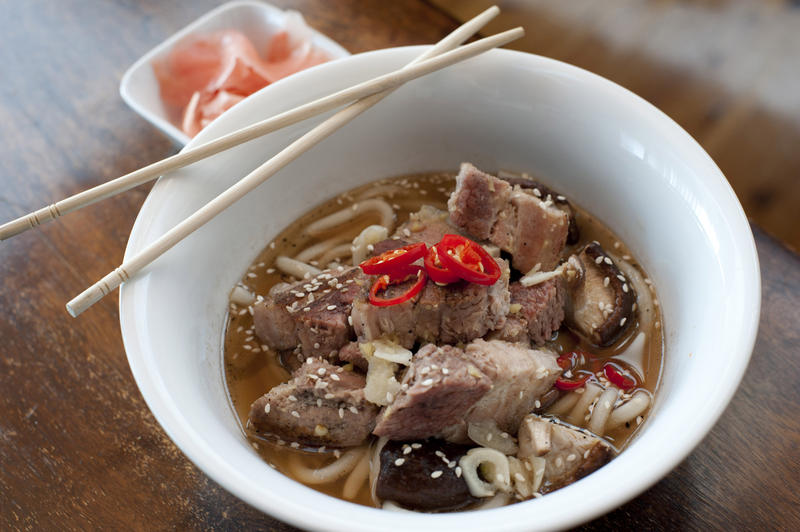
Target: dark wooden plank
{"points": [[725, 70], [78, 447]]}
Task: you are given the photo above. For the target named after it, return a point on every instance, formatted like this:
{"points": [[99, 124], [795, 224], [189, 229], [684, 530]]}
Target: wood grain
{"points": [[725, 70], [78, 447]]}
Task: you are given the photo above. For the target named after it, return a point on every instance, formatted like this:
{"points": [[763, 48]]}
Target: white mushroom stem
{"points": [[564, 404], [627, 411], [576, 415], [298, 269], [344, 216], [602, 409]]}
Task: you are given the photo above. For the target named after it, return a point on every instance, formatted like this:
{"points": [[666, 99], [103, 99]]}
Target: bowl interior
{"points": [[595, 142], [258, 21]]}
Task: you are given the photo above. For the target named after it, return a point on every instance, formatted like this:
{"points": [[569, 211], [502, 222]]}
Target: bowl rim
{"points": [[300, 515], [336, 50]]}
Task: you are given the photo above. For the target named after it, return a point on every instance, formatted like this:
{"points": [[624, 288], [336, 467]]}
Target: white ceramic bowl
{"points": [[599, 144], [258, 21]]}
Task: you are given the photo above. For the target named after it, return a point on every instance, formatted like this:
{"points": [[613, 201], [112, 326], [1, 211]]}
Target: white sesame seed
{"points": [[354, 410], [295, 414], [625, 287], [416, 446], [406, 450], [571, 457], [341, 413], [606, 280], [328, 396], [321, 371], [598, 260], [335, 377], [267, 408], [331, 307], [458, 471], [319, 403], [427, 382], [445, 371], [292, 398], [295, 445], [399, 462], [622, 322], [436, 474]]}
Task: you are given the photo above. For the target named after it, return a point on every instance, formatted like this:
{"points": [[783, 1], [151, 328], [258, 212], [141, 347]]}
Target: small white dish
{"points": [[608, 150], [258, 21]]}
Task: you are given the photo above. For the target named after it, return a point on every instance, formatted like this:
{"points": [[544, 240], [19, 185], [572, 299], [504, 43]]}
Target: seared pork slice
{"points": [[600, 298], [477, 201], [455, 313], [547, 194], [534, 231], [322, 405], [395, 322], [422, 476], [440, 386], [519, 376], [540, 308], [570, 453], [312, 314]]}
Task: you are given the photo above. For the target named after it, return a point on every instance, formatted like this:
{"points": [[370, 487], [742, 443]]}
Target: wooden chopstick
{"points": [[129, 268], [292, 116]]}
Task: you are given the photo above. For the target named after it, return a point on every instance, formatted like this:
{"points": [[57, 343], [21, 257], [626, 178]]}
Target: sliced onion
{"points": [[497, 465]]}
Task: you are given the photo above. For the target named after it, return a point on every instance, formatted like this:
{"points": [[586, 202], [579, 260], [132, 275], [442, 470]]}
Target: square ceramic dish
{"points": [[606, 149], [256, 20]]}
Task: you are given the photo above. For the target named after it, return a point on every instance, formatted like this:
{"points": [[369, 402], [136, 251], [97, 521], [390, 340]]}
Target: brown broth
{"points": [[251, 370]]}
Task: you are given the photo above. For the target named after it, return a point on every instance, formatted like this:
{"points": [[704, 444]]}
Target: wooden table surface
{"points": [[78, 447]]}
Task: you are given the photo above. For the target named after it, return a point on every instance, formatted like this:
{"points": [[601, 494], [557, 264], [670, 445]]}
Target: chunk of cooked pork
{"points": [[519, 377], [407, 475], [451, 314], [532, 230], [600, 298], [311, 313], [570, 453], [322, 405], [536, 312], [440, 385], [428, 225], [477, 201], [547, 194]]}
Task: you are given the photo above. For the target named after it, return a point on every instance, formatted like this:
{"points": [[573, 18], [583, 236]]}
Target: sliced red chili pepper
{"points": [[394, 260], [572, 384], [437, 272], [468, 260], [385, 281], [617, 378]]}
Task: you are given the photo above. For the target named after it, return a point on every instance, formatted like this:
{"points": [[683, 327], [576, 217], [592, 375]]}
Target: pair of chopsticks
{"points": [[445, 53]]}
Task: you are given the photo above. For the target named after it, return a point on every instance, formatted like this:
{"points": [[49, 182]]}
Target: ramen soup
{"points": [[443, 342]]}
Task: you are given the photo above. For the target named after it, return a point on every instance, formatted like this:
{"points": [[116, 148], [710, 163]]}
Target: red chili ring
{"points": [[385, 281], [482, 269]]}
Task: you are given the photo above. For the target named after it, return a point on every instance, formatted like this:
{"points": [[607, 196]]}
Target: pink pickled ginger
{"points": [[203, 76]]}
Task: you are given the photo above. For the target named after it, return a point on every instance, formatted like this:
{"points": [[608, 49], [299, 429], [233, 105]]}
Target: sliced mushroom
{"points": [[571, 452], [423, 476], [543, 192], [600, 298]]}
